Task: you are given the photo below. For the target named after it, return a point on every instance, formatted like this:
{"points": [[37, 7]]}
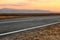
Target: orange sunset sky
{"points": [[52, 5]]}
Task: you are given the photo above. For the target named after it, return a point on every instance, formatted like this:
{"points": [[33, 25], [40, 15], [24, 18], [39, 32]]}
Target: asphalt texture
{"points": [[9, 25]]}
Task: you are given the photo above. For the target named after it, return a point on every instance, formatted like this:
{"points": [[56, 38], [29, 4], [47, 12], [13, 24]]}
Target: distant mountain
{"points": [[10, 10]]}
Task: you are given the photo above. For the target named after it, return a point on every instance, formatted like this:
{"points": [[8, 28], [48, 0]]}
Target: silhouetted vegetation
{"points": [[29, 14], [22, 15]]}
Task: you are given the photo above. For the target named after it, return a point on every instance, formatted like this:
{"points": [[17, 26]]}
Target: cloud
{"points": [[16, 3], [41, 0], [8, 5], [20, 4]]}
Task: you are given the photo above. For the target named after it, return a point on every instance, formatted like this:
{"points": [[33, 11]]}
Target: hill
{"points": [[10, 10]]}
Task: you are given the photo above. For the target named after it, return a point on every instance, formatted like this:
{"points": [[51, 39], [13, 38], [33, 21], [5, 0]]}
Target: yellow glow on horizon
{"points": [[11, 1], [53, 5]]}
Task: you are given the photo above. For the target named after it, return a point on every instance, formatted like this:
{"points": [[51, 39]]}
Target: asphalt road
{"points": [[9, 25]]}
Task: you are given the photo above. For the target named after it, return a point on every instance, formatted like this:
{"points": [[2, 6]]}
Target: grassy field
{"points": [[22, 15], [45, 33], [10, 17]]}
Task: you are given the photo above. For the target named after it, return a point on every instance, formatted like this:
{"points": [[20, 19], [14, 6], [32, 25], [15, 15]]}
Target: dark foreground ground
{"points": [[23, 15], [45, 33]]}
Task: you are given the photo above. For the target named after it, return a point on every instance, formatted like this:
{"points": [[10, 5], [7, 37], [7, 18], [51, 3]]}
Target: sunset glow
{"points": [[52, 5]]}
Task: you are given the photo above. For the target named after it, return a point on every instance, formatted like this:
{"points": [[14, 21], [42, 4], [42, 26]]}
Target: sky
{"points": [[52, 5]]}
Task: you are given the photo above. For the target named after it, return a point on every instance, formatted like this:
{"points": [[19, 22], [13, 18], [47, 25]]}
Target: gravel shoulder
{"points": [[45, 33]]}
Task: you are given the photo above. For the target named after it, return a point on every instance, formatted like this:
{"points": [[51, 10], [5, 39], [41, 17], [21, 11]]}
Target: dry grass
{"points": [[46, 33], [10, 17], [22, 15]]}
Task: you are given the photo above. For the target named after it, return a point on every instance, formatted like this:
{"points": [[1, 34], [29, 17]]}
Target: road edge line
{"points": [[28, 29]]}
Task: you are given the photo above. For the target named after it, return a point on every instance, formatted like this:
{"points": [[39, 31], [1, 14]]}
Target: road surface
{"points": [[9, 25]]}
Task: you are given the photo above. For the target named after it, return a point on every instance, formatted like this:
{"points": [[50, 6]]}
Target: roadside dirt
{"points": [[45, 33]]}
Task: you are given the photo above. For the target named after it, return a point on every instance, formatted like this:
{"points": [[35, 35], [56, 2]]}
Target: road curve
{"points": [[10, 25]]}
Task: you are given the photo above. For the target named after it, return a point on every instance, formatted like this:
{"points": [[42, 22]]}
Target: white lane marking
{"points": [[16, 21], [24, 20], [28, 29]]}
